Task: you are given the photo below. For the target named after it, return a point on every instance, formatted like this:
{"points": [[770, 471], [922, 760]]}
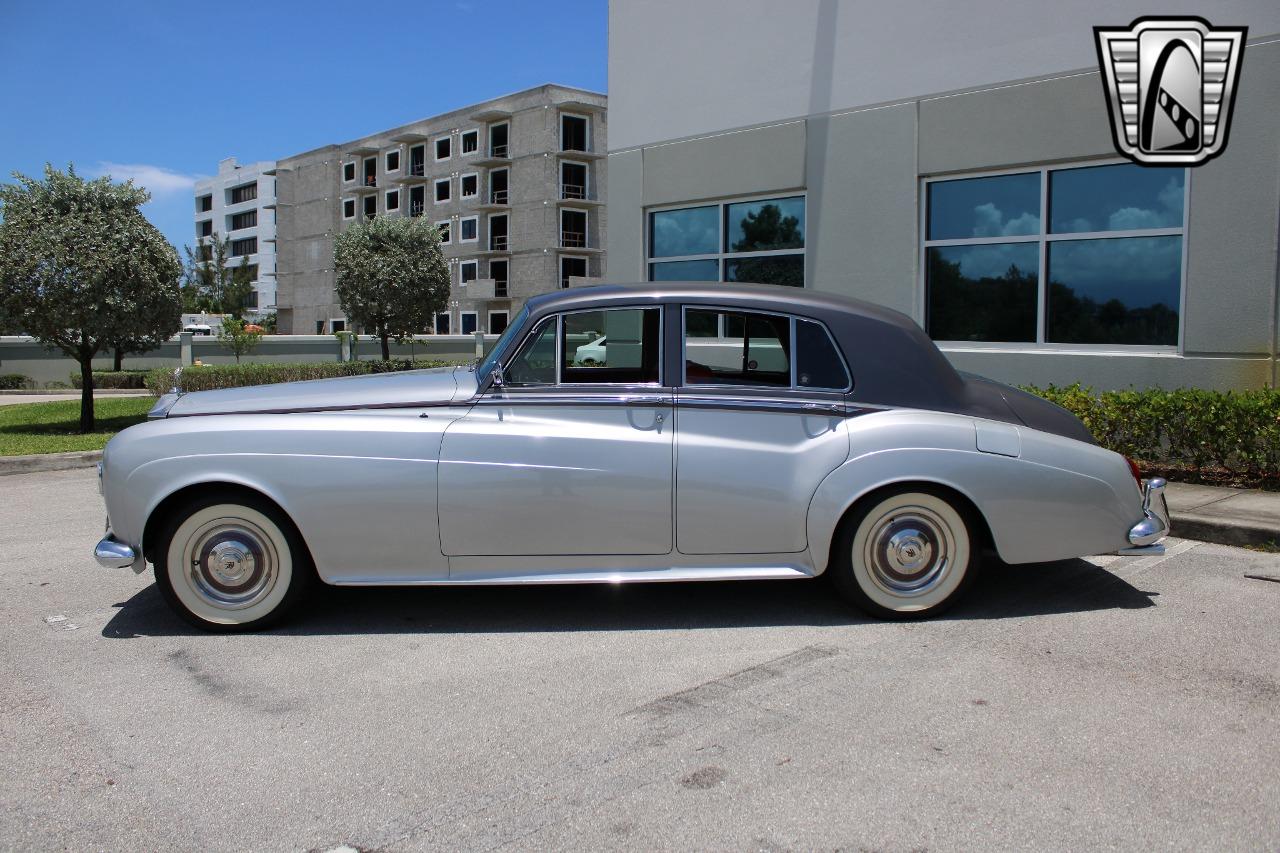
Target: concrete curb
{"points": [[49, 462], [75, 392], [1223, 531]]}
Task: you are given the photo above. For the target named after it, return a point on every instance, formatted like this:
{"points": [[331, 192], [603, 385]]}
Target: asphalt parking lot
{"points": [[1115, 702]]}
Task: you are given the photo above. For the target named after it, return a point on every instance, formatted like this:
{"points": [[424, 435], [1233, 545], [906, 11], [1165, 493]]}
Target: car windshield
{"points": [[492, 358]]}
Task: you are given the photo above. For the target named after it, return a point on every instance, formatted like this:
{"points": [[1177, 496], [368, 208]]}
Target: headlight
{"points": [[163, 405]]}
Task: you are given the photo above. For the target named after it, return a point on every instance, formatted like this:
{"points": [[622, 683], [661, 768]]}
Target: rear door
{"points": [[568, 457], [759, 423]]}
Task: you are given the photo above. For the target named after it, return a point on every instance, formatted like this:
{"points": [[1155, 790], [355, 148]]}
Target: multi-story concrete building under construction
{"points": [[516, 185], [238, 204]]}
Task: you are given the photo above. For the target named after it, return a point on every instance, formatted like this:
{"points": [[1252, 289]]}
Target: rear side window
{"points": [[737, 348], [818, 364]]}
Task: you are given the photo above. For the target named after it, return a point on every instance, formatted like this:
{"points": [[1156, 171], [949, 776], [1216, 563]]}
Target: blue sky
{"points": [[162, 91]]}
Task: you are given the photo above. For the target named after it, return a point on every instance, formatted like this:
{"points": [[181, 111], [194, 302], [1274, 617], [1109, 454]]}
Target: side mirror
{"points": [[495, 376]]}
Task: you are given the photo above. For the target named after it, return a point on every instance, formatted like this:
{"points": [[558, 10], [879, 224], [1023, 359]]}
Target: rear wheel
{"points": [[231, 563], [905, 554]]}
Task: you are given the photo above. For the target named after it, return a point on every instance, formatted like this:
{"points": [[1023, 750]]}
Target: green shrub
{"points": [[1235, 431], [132, 379], [13, 381], [210, 377]]}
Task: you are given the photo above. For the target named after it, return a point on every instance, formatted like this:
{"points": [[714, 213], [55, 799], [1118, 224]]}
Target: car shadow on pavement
{"points": [[999, 592]]}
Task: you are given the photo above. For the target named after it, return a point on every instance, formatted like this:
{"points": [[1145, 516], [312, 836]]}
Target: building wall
{"points": [[862, 167], [231, 175], [312, 192]]}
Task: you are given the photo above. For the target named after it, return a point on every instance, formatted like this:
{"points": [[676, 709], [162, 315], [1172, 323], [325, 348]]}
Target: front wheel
{"points": [[231, 563], [908, 554]]}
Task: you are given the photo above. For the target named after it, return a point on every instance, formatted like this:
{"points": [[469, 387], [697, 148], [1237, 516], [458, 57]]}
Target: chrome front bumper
{"points": [[111, 553], [1144, 537]]}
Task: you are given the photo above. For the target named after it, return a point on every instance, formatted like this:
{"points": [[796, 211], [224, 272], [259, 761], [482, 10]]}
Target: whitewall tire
{"points": [[905, 554], [231, 563]]}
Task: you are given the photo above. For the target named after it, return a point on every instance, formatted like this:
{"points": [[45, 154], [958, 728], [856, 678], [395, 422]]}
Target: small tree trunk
{"points": [[118, 364], [386, 346], [86, 394]]}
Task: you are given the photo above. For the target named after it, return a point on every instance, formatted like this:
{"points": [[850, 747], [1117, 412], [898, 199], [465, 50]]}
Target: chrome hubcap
{"points": [[908, 551], [232, 563]]}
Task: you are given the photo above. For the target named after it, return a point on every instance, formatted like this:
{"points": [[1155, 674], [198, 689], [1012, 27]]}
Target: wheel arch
{"points": [[166, 505], [963, 502]]}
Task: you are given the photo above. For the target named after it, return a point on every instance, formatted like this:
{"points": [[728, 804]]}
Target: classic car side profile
{"points": [[720, 432]]}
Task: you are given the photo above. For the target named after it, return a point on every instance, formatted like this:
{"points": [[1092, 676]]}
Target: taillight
{"points": [[1133, 469]]}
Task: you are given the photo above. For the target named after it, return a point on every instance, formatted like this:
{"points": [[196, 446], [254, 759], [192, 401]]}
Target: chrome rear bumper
{"points": [[1146, 534], [111, 553]]}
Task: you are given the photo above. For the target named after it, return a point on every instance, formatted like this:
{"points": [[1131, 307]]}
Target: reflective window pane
{"points": [[737, 348], [1115, 198], [691, 231], [818, 365], [774, 269], [758, 226], [1120, 291], [1003, 206], [983, 293], [615, 346], [708, 270]]}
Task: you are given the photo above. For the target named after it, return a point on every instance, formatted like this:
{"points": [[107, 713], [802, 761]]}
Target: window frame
{"points": [[558, 319], [586, 120], [488, 328], [474, 218], [475, 131], [386, 200], [1044, 237], [386, 155], [569, 256], [792, 322], [447, 226], [722, 256], [349, 164], [448, 319], [462, 192], [435, 147], [345, 202], [435, 191], [472, 262], [475, 315]]}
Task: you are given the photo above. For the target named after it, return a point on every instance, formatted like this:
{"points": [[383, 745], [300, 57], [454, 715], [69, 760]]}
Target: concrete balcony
{"points": [[486, 289], [576, 195], [496, 156]]}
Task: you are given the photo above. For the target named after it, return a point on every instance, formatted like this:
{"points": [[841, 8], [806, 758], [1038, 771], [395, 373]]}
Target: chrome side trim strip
{"points": [[770, 404], [417, 404], [611, 576], [545, 399]]}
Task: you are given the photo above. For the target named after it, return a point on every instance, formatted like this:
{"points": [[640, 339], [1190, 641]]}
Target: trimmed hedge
{"points": [[13, 381], [211, 377], [1237, 432], [132, 379]]}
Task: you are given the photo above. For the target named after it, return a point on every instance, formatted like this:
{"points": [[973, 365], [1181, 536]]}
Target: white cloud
{"points": [[157, 179]]}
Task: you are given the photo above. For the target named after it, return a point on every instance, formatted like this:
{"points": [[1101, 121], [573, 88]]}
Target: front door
{"points": [[760, 422], [567, 457]]}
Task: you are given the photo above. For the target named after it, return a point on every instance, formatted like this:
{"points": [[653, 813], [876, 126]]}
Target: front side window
{"points": [[760, 241], [613, 346], [1088, 255]]}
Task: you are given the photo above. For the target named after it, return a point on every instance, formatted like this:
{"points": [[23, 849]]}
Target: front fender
{"points": [[361, 488]]}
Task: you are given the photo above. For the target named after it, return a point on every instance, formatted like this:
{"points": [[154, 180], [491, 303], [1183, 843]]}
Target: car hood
{"points": [[433, 386]]}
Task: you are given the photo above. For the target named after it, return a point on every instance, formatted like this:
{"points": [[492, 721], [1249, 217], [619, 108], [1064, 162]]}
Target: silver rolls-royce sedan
{"points": [[715, 431]]}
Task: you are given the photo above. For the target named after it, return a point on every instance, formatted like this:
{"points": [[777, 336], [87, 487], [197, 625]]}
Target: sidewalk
{"points": [[1226, 516], [13, 398]]}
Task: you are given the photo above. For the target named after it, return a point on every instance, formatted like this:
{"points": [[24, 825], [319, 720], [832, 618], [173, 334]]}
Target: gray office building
{"points": [[515, 184], [955, 162]]}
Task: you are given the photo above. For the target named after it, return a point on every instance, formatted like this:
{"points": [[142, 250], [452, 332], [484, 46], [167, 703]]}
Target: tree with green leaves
{"points": [[212, 284], [82, 270], [235, 335], [392, 276]]}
